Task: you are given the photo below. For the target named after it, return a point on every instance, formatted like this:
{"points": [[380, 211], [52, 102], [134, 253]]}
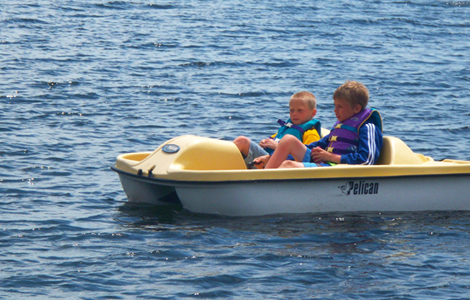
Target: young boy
{"points": [[300, 125], [356, 138]]}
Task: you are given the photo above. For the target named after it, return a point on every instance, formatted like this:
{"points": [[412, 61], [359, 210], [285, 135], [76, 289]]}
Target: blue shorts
{"points": [[307, 156], [306, 161], [310, 165], [254, 152]]}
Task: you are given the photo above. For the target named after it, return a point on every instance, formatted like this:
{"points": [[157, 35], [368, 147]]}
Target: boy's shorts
{"points": [[254, 152], [306, 161]]}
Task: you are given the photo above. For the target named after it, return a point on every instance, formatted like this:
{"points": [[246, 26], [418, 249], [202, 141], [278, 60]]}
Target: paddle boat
{"points": [[209, 176]]}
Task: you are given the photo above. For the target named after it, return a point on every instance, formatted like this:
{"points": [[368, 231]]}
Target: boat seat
{"points": [[396, 152]]}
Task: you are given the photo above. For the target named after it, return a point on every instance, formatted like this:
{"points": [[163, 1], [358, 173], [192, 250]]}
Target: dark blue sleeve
{"points": [[322, 143], [370, 144]]}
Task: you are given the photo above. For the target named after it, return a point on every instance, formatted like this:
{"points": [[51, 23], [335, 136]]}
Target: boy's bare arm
{"points": [[262, 161]]}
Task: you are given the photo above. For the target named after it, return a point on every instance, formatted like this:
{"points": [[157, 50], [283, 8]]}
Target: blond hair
{"points": [[353, 92], [306, 97]]}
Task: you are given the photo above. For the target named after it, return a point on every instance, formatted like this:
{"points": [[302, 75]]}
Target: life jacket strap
{"points": [[290, 125], [342, 126], [338, 151], [335, 138]]}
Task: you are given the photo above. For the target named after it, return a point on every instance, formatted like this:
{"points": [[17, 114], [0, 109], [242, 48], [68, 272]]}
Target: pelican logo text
{"points": [[359, 188]]}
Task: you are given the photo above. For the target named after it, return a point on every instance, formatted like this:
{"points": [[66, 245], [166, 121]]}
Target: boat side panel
{"points": [[335, 195], [140, 189]]}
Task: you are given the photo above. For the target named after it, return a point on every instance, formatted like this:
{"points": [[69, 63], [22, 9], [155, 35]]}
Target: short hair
{"points": [[353, 92], [307, 97]]}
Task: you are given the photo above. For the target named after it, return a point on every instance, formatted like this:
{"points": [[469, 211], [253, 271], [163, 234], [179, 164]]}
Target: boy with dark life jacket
{"points": [[356, 138], [300, 125]]}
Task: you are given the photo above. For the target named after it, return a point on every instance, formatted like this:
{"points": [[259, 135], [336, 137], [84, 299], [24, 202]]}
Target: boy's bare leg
{"points": [[243, 144], [288, 164], [289, 144]]}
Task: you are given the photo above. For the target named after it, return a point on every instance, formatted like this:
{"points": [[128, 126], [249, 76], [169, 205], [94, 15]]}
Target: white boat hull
{"points": [[312, 196], [265, 197], [145, 190], [209, 176]]}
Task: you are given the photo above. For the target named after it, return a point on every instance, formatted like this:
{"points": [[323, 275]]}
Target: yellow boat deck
{"points": [[206, 159]]}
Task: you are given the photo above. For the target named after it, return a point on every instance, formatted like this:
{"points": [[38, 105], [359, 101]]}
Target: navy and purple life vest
{"points": [[344, 137]]}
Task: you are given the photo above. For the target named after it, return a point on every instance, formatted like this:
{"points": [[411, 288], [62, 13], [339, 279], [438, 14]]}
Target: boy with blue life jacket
{"points": [[300, 125], [356, 138]]}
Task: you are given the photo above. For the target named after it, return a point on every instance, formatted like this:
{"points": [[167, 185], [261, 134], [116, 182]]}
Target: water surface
{"points": [[84, 81]]}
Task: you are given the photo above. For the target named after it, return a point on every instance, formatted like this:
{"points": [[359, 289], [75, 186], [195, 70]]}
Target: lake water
{"points": [[84, 81]]}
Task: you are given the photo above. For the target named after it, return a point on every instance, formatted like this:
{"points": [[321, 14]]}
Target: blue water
{"points": [[84, 81]]}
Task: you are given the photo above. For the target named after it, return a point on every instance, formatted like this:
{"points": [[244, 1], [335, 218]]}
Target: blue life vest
{"points": [[295, 130], [344, 137]]}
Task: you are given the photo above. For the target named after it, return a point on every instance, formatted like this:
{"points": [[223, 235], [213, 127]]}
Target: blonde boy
{"points": [[301, 125]]}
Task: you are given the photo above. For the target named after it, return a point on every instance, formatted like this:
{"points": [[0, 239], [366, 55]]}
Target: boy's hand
{"points": [[268, 143], [319, 155], [261, 161]]}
